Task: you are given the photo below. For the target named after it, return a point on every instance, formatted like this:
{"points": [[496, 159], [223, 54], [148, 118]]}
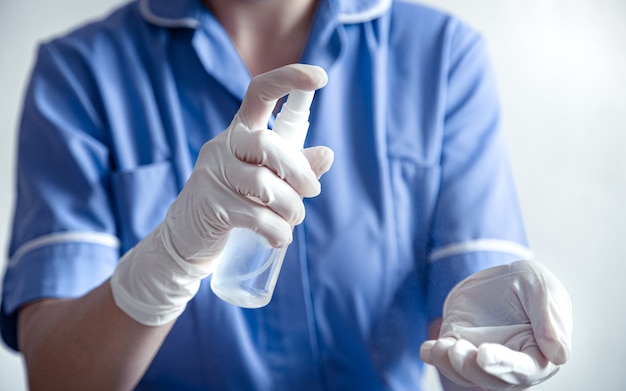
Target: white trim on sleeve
{"points": [[99, 238], [496, 245]]}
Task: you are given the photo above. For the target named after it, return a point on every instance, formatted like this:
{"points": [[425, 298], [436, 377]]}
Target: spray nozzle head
{"points": [[300, 101], [292, 123]]}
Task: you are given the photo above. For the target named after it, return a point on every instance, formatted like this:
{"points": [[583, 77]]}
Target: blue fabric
{"points": [[117, 111]]}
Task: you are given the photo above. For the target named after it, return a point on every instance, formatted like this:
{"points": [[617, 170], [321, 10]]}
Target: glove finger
{"points": [[265, 90], [266, 148], [548, 306], [436, 353], [259, 184], [463, 359], [265, 222], [320, 158], [523, 369]]}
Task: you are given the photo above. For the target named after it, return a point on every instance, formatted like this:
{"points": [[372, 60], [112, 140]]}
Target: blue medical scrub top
{"points": [[419, 197]]}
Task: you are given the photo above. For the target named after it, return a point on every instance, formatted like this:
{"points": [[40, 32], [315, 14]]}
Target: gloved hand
{"points": [[248, 177], [506, 328]]}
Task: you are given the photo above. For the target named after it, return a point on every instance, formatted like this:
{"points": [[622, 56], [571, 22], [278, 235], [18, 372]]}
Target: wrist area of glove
{"points": [[152, 284]]}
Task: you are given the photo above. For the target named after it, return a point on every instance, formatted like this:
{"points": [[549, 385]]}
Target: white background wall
{"points": [[561, 66]]}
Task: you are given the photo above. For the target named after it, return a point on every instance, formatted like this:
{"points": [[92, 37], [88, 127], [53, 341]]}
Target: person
{"points": [[144, 134]]}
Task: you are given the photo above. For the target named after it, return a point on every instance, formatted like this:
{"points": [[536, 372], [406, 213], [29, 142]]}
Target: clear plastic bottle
{"points": [[249, 267]]}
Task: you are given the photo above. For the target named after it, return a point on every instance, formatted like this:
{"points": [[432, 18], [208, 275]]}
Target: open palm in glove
{"points": [[506, 328]]}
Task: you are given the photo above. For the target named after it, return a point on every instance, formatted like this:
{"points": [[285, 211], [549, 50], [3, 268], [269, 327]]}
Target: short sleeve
{"points": [[477, 221], [64, 240]]}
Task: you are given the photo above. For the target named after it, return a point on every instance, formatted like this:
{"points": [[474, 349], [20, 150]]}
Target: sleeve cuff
{"points": [[445, 272], [65, 269]]}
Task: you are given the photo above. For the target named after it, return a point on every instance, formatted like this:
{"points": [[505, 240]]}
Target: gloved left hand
{"points": [[506, 328]]}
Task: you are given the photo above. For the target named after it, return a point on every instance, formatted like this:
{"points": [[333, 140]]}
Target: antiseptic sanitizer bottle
{"points": [[248, 268]]}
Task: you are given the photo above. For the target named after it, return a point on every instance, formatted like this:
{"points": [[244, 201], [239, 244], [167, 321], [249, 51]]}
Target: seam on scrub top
{"points": [[497, 245], [100, 238], [364, 16]]}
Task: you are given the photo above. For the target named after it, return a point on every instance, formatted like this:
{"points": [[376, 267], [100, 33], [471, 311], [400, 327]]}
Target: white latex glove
{"points": [[505, 328], [248, 177]]}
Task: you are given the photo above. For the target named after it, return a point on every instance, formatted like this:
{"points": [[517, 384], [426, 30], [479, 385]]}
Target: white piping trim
{"points": [[369, 14], [148, 15], [100, 238], [497, 245]]}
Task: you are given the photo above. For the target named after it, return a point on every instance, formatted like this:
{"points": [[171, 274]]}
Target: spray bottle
{"points": [[249, 267]]}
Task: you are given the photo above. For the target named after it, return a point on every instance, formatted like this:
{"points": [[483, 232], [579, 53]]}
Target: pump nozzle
{"points": [[292, 123]]}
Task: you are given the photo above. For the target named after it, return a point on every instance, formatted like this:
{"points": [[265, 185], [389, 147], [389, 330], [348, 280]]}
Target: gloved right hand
{"points": [[247, 177]]}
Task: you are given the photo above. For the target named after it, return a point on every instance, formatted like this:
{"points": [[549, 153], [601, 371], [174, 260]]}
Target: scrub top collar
{"points": [[323, 49], [186, 13], [171, 14]]}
